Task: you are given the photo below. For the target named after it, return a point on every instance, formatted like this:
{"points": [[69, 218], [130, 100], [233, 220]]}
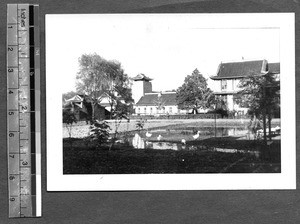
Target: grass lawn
{"points": [[79, 159]]}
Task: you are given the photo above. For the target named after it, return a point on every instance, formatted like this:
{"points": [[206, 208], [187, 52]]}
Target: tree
{"points": [[92, 78], [121, 111], [260, 93], [119, 91], [98, 77], [194, 92], [69, 119]]}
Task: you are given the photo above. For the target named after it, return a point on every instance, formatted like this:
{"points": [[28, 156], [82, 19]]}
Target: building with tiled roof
{"points": [[149, 102], [158, 103], [236, 70], [141, 85], [81, 106], [168, 99], [229, 74]]}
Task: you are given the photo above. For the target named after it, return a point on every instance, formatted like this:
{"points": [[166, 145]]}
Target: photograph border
{"points": [[56, 181]]}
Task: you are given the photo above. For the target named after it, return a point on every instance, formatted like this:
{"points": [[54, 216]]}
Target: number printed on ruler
{"points": [[22, 78]]}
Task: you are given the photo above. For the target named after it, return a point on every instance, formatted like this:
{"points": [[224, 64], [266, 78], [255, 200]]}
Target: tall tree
{"points": [[194, 92], [92, 79], [260, 93], [98, 77], [119, 91]]}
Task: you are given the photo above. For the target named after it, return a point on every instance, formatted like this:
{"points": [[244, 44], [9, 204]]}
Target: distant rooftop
{"points": [[168, 99], [141, 77]]}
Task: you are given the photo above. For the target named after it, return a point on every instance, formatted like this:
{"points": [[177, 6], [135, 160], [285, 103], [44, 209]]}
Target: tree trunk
{"points": [[269, 124], [265, 126], [93, 112], [115, 134], [111, 103], [264, 114], [111, 109]]}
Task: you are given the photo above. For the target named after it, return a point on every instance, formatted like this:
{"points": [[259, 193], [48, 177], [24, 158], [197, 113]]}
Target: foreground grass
{"points": [[127, 160]]}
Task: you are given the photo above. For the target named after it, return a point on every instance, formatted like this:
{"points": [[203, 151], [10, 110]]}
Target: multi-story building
{"points": [[229, 75]]}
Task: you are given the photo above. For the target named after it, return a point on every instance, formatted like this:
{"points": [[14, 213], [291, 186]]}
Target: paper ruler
{"points": [[23, 110]]}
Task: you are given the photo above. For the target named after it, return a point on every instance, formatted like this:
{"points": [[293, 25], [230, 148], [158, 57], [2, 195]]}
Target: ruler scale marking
{"points": [[24, 184]]}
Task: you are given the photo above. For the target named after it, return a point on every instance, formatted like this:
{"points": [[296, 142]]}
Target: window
{"points": [[151, 110], [223, 84], [170, 109], [145, 110], [224, 98]]}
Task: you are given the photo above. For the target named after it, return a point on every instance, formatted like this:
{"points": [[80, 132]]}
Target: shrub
{"points": [[99, 132], [140, 124]]}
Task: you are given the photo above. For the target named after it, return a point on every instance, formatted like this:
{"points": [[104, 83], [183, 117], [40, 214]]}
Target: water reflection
{"points": [[204, 131], [162, 145], [140, 143]]}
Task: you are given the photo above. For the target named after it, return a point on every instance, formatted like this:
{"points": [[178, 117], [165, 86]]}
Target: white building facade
{"points": [[158, 104], [230, 74], [149, 102]]}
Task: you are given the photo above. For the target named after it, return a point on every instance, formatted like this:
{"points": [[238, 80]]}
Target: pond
{"points": [[178, 139], [211, 131], [191, 133], [142, 143]]}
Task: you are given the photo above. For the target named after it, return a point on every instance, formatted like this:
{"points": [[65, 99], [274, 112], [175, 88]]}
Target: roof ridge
{"points": [[241, 61]]}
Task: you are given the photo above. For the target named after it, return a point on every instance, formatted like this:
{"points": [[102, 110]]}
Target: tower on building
{"points": [[141, 85]]}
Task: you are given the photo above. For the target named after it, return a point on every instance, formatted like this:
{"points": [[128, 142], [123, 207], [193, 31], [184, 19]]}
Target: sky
{"points": [[164, 47]]}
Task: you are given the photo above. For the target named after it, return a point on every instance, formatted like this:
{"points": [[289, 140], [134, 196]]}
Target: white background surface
{"points": [[57, 82], [161, 46]]}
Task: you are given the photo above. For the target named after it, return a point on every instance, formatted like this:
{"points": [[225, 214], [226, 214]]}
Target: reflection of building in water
{"points": [[229, 75], [138, 142]]}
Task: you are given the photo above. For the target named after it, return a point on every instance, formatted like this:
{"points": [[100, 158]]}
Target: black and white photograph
{"points": [[170, 101]]}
